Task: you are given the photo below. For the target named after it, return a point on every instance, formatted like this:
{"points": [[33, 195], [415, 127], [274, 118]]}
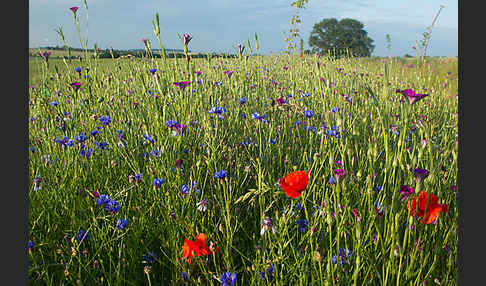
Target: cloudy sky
{"points": [[219, 25]]}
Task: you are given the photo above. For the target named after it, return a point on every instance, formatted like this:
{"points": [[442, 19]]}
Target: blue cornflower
{"points": [[306, 95], [54, 103], [171, 123], [152, 71], [112, 206], [32, 149], [271, 141], [257, 116], [103, 199], [184, 275], [155, 153], [217, 110], [243, 115], [86, 152], [407, 138], [343, 256], [220, 174], [77, 69], [94, 132], [150, 257], [149, 138], [242, 100], [158, 182], [379, 188], [334, 109], [303, 223], [332, 180], [102, 145], [121, 223], [269, 271], [228, 279], [30, 244], [82, 235], [185, 189], [138, 178], [81, 138], [105, 119]]}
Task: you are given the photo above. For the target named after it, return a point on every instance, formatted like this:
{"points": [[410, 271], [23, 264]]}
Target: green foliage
{"points": [[341, 38]]}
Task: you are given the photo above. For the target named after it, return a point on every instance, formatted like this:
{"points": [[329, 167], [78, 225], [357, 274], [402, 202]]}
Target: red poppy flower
{"points": [[294, 183], [196, 248], [417, 207]]}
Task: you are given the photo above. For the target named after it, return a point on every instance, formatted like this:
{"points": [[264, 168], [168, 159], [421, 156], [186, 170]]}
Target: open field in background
{"points": [[130, 164]]}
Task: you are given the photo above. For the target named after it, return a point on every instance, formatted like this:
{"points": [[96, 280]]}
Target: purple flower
{"points": [[45, 55], [420, 174], [241, 48], [152, 71], [228, 73], [405, 191], [411, 95], [74, 9], [186, 38]]}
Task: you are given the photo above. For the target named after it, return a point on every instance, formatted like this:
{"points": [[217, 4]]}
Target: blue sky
{"points": [[219, 25]]}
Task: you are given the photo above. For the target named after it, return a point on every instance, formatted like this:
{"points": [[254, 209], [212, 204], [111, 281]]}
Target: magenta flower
{"points": [[241, 48], [405, 191], [411, 95], [181, 84], [339, 173], [180, 128], [186, 38], [228, 73], [45, 55], [280, 101], [76, 85], [74, 9], [178, 163]]}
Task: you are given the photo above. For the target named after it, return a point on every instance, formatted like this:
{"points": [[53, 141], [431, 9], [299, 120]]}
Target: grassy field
{"points": [[135, 170]]}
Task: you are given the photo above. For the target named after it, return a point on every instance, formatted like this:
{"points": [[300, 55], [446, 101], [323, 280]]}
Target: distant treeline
{"points": [[137, 53]]}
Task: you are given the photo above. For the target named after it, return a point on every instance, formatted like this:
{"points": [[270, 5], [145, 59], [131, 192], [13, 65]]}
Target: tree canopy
{"points": [[339, 37]]}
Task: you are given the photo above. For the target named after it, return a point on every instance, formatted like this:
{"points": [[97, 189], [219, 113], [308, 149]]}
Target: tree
{"points": [[339, 37]]}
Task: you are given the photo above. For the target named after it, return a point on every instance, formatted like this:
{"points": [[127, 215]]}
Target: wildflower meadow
{"points": [[246, 170]]}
